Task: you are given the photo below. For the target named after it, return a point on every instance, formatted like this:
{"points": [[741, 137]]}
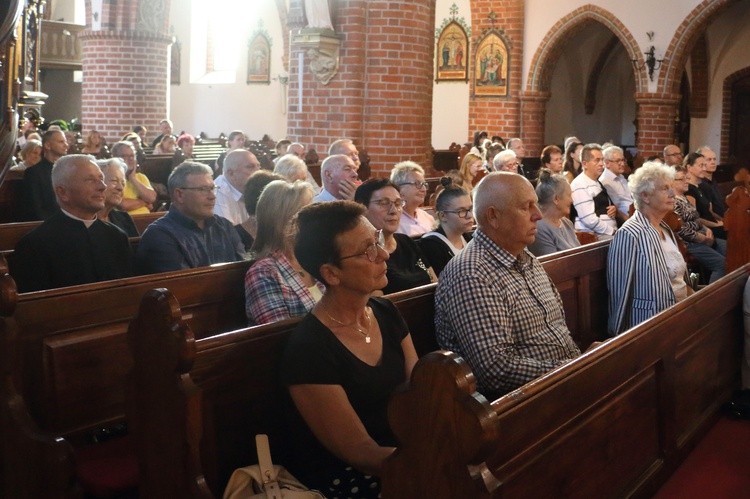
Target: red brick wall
{"points": [[382, 95], [125, 72], [656, 119], [499, 115]]}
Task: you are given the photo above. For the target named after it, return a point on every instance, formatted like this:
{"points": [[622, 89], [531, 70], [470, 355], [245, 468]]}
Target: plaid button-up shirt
{"points": [[502, 314]]}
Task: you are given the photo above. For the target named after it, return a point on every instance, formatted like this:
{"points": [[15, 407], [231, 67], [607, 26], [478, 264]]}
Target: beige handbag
{"points": [[266, 481]]}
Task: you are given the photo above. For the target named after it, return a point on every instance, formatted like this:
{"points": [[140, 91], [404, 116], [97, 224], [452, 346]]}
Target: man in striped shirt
{"points": [[495, 305], [596, 213]]}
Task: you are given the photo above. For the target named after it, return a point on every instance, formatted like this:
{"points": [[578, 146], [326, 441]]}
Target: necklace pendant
{"points": [[367, 339]]}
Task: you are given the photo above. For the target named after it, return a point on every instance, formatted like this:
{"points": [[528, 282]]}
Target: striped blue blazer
{"points": [[637, 279]]}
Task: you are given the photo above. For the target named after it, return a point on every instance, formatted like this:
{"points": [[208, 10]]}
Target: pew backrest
{"points": [[199, 402], [74, 356], [613, 423]]}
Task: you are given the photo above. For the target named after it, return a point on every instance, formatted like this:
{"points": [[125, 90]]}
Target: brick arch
{"points": [[692, 27], [549, 50], [726, 109]]}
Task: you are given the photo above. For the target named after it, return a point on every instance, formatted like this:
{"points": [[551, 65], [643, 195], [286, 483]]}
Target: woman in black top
{"points": [[248, 229], [407, 267], [695, 164], [346, 357], [456, 221]]}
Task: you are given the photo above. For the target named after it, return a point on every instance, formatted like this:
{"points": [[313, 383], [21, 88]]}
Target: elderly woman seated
{"points": [[455, 223], [505, 161], [276, 287], [700, 241], [30, 153], [555, 231], [409, 179], [645, 269], [346, 357], [291, 167], [114, 177], [407, 267]]}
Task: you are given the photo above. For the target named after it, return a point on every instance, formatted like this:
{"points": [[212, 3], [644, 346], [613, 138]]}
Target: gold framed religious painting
{"points": [[259, 59], [491, 66], [452, 54]]}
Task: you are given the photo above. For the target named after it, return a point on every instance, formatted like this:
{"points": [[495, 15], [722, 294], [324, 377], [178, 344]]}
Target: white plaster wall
{"points": [[613, 115], [450, 100], [638, 16], [257, 109], [728, 38], [69, 11]]}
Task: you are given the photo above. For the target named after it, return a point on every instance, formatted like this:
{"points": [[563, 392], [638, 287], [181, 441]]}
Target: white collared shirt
{"points": [[230, 203]]}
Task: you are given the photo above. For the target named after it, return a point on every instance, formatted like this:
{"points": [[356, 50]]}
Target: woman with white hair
{"points": [[291, 168], [646, 272], [114, 177], [409, 178]]}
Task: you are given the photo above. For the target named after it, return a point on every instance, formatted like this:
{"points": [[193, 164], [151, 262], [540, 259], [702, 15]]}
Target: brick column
{"points": [[126, 67], [533, 113], [381, 96], [499, 115], [655, 121]]}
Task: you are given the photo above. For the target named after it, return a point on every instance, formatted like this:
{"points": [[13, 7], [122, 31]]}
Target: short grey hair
{"points": [[105, 164], [503, 157], [548, 186], [289, 165], [118, 146], [179, 175], [645, 179], [234, 159], [334, 162], [64, 167], [610, 151], [401, 171], [337, 147], [28, 147]]}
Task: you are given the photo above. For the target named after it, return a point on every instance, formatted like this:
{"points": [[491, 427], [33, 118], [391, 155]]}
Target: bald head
{"points": [[672, 155], [505, 207]]}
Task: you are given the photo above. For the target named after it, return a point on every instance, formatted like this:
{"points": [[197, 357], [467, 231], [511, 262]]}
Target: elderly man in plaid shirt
{"points": [[495, 305]]}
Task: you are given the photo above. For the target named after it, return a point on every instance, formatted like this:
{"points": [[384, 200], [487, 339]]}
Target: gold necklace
{"points": [[355, 325]]}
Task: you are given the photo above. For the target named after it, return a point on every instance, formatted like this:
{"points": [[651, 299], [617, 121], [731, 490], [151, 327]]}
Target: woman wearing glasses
{"points": [[555, 231], [409, 180], [276, 286], [407, 267], [346, 357], [456, 221]]}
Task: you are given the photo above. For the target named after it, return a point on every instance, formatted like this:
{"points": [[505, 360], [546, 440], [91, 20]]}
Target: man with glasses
{"points": [[495, 305], [672, 155], [139, 196], [190, 235], [596, 213], [615, 184], [338, 174], [239, 165]]}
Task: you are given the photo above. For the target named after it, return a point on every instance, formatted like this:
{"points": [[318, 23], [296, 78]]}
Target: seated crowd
{"points": [[327, 253]]}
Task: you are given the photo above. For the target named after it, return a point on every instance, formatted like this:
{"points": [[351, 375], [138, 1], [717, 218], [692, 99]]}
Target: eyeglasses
{"points": [[419, 184], [203, 190], [387, 203], [462, 212], [372, 250], [621, 160], [675, 154]]}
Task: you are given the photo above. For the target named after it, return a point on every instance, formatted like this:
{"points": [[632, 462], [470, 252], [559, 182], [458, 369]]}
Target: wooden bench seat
{"points": [[11, 233], [613, 423], [198, 402]]}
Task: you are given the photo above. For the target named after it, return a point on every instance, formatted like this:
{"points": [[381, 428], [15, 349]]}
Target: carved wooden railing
{"points": [[60, 47]]}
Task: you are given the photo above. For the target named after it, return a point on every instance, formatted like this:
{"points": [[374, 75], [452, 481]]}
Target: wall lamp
{"points": [[651, 62]]}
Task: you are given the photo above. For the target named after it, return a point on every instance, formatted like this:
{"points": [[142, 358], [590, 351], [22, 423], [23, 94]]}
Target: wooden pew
{"points": [[11, 197], [198, 402], [11, 233], [615, 422], [72, 340], [157, 167], [737, 223]]}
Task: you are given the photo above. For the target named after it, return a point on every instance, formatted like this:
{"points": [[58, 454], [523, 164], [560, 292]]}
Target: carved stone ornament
{"points": [[321, 48]]}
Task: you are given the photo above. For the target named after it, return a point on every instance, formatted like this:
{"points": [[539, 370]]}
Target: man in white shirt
{"points": [[239, 165], [338, 174], [595, 213], [615, 183]]}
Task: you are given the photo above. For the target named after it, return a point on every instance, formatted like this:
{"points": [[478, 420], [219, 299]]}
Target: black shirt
{"points": [[407, 267], [40, 201]]}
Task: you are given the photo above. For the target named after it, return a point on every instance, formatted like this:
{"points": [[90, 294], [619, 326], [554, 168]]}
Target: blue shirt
{"points": [[175, 242]]}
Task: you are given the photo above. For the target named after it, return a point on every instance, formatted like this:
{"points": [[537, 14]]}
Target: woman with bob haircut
{"points": [[346, 357]]}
